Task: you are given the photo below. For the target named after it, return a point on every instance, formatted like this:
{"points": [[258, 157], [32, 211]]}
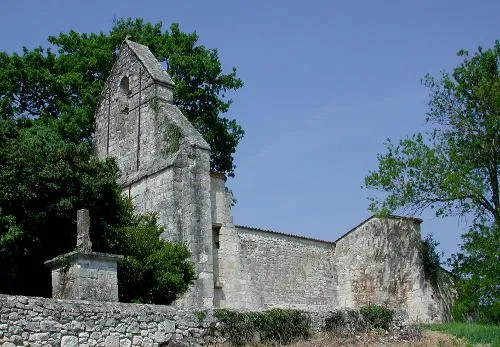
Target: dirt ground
{"points": [[427, 339]]}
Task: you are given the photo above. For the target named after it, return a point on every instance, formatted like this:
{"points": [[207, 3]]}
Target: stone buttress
{"points": [[164, 161]]}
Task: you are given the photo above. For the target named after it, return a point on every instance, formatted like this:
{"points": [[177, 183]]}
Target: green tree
{"points": [[477, 266], [454, 168], [44, 180], [41, 84], [85, 61], [47, 102]]}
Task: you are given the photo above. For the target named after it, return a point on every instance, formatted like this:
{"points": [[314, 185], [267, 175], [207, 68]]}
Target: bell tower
{"points": [[163, 160]]}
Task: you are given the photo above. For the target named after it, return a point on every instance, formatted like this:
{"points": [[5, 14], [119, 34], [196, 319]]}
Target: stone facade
{"points": [[377, 262], [85, 276], [164, 165], [28, 321], [163, 160]]}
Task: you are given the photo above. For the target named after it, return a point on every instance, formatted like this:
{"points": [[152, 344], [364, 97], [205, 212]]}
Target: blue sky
{"points": [[326, 82]]}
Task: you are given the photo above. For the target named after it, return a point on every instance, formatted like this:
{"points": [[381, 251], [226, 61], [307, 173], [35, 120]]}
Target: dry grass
{"points": [[427, 339]]}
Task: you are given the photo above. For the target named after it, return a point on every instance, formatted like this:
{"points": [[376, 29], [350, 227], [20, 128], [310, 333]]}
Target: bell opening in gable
{"points": [[125, 93]]}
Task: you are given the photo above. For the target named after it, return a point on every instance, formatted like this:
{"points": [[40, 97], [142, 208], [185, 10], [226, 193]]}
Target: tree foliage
{"points": [[153, 270], [44, 180], [47, 173], [477, 267], [67, 85], [454, 169]]}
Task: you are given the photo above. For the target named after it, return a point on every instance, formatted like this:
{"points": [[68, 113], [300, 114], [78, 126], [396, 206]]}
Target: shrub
{"points": [[350, 321], [282, 326], [274, 326], [154, 270], [431, 260], [344, 322], [376, 316], [236, 326]]}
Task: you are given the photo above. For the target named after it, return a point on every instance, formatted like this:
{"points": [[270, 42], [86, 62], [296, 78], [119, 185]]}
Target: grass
{"points": [[474, 333]]}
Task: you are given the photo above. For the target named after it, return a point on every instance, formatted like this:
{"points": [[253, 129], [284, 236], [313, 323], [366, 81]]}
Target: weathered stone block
{"points": [[112, 341], [85, 276], [69, 341]]}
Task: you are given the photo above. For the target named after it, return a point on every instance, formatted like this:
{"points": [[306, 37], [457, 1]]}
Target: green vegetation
{"points": [[282, 326], [478, 268], [173, 138], [474, 333], [274, 326], [344, 322], [376, 316], [453, 169], [350, 321], [431, 260], [47, 173], [45, 179], [153, 270]]}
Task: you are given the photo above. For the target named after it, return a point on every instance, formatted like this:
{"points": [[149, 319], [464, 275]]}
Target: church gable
{"points": [[149, 62], [136, 120]]}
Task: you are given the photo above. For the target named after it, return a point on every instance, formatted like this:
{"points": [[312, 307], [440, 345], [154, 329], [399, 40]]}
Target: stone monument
{"points": [[83, 274]]}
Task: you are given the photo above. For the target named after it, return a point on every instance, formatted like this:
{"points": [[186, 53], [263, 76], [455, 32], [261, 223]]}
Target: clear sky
{"points": [[326, 82]]}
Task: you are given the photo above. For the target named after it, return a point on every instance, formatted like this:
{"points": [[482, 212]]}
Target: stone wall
{"points": [[380, 262], [289, 271], [163, 161], [30, 321], [377, 262], [42, 322]]}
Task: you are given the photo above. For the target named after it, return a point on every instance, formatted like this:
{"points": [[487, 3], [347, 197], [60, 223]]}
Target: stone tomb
{"points": [[83, 274]]}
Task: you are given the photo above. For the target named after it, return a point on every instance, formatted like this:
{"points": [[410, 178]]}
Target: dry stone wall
{"points": [[42, 322], [37, 322]]}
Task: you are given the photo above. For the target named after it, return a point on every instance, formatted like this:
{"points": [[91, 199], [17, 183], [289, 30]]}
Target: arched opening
{"points": [[124, 94], [124, 86]]}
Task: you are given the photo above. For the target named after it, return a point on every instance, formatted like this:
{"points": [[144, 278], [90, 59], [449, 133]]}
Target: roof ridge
{"points": [[414, 219], [284, 234], [152, 65]]}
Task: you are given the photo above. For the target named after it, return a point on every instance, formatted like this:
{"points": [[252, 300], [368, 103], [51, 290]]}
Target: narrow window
{"points": [[216, 232], [124, 94]]}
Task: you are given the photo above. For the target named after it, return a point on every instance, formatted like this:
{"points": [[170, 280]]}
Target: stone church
{"points": [[164, 164]]}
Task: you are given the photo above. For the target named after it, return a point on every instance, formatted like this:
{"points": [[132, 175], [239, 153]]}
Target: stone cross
{"points": [[82, 231]]}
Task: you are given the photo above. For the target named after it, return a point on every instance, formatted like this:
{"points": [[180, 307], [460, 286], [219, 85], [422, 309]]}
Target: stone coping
{"points": [[241, 227], [64, 258]]}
